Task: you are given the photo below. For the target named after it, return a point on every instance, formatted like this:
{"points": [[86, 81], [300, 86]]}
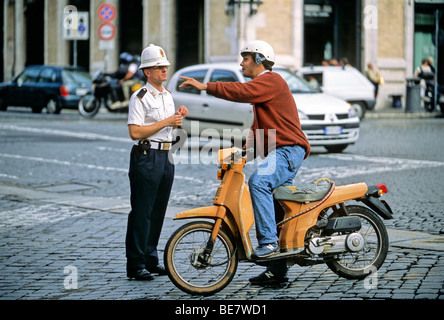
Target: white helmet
{"points": [[262, 47], [153, 56]]}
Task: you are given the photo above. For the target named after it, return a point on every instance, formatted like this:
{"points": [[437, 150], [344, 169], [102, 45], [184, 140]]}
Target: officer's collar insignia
{"points": [[153, 93], [141, 93]]}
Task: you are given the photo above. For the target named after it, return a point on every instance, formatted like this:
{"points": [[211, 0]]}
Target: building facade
{"points": [[393, 34]]}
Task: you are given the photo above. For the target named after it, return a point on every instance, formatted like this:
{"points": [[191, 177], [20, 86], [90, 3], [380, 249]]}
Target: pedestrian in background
{"points": [[373, 74]]}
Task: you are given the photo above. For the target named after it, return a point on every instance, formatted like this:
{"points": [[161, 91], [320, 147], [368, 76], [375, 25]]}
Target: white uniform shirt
{"points": [[151, 107]]}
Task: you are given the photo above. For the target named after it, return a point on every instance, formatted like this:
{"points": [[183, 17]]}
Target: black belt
{"points": [[156, 144]]}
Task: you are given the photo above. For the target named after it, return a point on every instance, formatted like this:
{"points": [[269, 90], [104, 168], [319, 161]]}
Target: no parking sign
{"points": [[106, 12], [107, 30]]}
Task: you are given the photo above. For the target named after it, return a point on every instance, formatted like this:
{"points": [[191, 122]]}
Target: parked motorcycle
{"points": [[429, 97], [105, 91], [201, 257]]}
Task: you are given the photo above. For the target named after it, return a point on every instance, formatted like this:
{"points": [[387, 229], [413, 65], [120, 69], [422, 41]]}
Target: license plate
{"points": [[81, 91], [333, 130]]}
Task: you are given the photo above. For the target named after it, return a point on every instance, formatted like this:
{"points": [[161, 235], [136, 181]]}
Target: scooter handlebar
{"points": [[246, 151], [236, 155]]}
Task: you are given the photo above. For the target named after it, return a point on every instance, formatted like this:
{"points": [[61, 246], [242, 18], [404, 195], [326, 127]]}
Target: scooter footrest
{"points": [[280, 255]]}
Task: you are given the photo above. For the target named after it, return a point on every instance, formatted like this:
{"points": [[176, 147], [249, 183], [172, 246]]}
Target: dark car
{"points": [[40, 86]]}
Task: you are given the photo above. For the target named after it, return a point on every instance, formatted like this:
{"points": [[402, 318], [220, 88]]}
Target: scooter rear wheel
{"points": [[189, 270], [359, 265]]}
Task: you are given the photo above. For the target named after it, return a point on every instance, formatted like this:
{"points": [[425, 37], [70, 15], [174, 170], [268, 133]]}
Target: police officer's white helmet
{"points": [[262, 47], [153, 56]]}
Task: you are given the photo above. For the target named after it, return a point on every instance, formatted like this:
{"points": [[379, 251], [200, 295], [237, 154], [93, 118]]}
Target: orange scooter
{"points": [[201, 257]]}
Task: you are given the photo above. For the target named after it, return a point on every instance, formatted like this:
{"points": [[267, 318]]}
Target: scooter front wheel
{"points": [[195, 269], [89, 106]]}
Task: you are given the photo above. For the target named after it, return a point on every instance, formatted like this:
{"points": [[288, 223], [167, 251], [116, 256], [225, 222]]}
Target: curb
{"points": [[389, 114]]}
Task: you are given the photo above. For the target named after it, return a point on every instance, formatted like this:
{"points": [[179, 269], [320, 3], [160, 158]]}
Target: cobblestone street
{"points": [[63, 218], [42, 251]]}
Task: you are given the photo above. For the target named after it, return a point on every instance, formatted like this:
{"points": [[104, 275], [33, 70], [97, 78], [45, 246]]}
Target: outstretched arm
{"points": [[191, 82]]}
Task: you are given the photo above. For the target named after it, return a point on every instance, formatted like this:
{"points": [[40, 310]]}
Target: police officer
{"points": [[151, 120]]}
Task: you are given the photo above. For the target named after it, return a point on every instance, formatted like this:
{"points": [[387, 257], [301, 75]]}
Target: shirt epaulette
{"points": [[141, 93]]}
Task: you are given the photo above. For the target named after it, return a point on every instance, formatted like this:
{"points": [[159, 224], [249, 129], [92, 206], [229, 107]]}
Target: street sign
{"points": [[76, 26], [107, 45], [106, 31], [106, 12]]}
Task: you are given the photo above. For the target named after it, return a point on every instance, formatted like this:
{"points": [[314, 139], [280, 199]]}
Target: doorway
{"points": [[34, 16], [190, 32], [130, 27], [332, 30]]}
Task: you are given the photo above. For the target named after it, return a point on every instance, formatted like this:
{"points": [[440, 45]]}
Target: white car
{"points": [[326, 121], [346, 83]]}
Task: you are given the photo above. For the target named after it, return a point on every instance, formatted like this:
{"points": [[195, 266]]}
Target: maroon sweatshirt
{"points": [[274, 108]]}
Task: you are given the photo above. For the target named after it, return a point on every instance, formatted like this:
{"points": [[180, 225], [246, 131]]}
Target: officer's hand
{"points": [[183, 111], [175, 121], [191, 82]]}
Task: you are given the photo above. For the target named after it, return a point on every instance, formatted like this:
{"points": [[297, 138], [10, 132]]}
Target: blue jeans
{"points": [[278, 169]]}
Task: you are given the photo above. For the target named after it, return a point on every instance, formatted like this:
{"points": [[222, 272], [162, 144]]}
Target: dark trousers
{"points": [[151, 178]]}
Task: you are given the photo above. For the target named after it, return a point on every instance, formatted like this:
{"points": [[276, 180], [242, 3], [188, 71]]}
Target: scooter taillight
{"points": [[382, 188]]}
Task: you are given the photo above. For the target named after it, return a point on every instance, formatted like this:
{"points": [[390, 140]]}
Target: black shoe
{"points": [[268, 277], [159, 269], [141, 275]]}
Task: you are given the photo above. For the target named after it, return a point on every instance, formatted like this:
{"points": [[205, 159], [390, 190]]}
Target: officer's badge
{"points": [[141, 93]]}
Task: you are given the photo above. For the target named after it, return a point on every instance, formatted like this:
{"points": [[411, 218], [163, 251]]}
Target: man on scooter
{"points": [[275, 134], [126, 75]]}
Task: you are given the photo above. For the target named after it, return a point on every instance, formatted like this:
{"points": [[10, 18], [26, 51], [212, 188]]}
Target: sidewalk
{"points": [[399, 113], [46, 239]]}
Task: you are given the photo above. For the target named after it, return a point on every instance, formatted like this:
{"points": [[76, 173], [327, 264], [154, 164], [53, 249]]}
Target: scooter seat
{"points": [[306, 193]]}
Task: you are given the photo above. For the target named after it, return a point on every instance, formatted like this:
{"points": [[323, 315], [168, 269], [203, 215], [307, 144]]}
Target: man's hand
{"points": [[191, 82]]}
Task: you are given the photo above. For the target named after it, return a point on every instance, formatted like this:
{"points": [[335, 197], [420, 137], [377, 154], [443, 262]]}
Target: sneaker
{"points": [[141, 275], [265, 250], [268, 277], [159, 269]]}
